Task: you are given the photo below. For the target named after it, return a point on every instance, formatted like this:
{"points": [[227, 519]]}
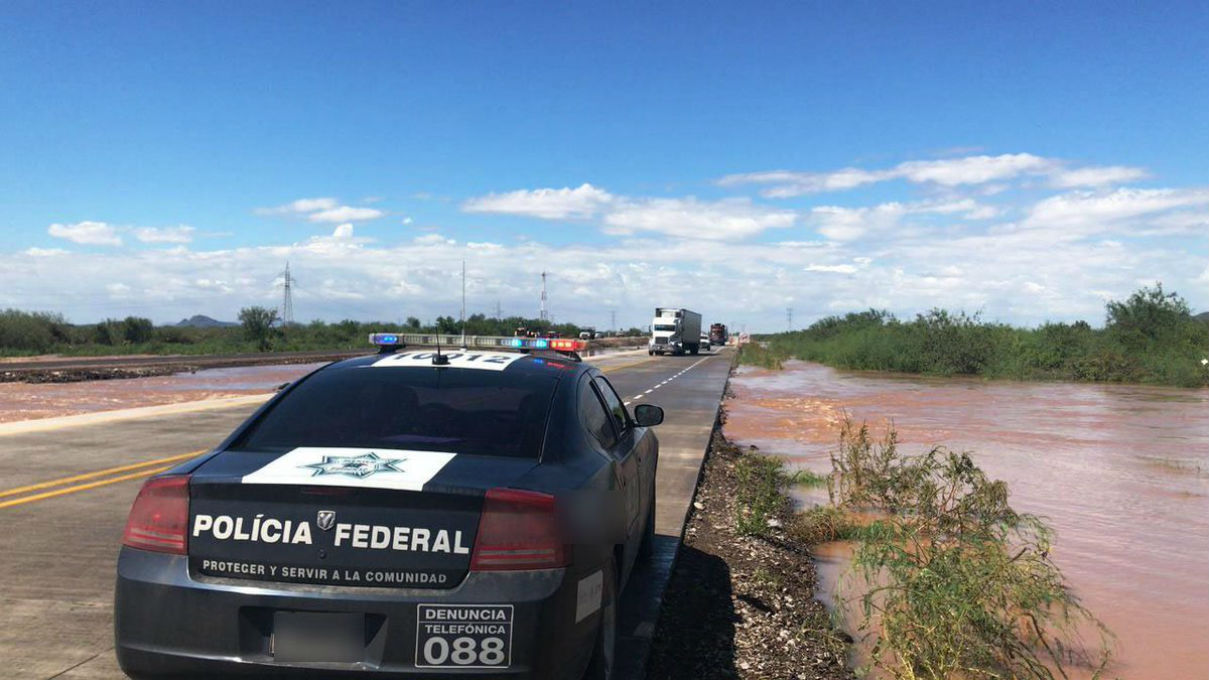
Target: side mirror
{"points": [[647, 415]]}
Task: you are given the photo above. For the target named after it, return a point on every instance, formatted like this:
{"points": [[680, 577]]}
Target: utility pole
{"points": [[544, 315], [789, 318], [287, 302], [463, 302]]}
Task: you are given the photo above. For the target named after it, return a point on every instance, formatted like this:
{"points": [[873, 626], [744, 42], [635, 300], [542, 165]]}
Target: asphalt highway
{"points": [[65, 491]]}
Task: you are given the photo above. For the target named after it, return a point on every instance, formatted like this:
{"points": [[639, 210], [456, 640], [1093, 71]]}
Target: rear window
{"points": [[488, 413]]}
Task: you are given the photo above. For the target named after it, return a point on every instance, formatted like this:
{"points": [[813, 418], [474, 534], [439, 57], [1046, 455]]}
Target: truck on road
{"points": [[675, 330], [718, 334]]}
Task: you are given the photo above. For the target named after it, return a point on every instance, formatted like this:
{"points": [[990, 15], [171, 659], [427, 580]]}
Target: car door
{"points": [[628, 453], [600, 422]]}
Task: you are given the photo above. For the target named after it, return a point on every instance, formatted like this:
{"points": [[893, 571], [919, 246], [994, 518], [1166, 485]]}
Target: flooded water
{"points": [[1121, 473], [22, 401]]}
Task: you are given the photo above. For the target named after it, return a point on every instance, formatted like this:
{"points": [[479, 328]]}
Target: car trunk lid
{"points": [[381, 518]]}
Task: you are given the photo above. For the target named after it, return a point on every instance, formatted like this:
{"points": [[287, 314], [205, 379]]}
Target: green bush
{"points": [[25, 332]]}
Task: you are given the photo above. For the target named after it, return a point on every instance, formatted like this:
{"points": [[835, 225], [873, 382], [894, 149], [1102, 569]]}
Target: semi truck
{"points": [[718, 334], [675, 330]]}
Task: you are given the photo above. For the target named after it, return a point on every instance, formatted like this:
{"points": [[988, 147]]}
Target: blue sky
{"points": [[1025, 160]]}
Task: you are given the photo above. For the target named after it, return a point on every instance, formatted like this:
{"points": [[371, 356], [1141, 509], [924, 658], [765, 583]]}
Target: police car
{"points": [[466, 513]]}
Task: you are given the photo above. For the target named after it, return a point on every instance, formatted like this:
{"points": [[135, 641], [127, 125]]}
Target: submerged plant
{"points": [[962, 584]]}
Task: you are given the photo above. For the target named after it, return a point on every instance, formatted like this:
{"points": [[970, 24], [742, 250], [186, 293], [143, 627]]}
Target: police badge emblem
{"points": [[326, 519]]}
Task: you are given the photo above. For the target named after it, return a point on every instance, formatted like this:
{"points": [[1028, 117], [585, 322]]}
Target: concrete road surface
{"points": [[65, 491]]}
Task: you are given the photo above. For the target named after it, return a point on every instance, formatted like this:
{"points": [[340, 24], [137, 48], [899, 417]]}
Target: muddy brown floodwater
{"points": [[1121, 472], [25, 401]]}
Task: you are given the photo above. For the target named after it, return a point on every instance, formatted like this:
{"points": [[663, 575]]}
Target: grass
{"points": [[1151, 337], [762, 493]]}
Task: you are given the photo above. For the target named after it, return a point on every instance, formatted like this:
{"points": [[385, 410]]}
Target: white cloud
{"points": [[1099, 210], [581, 202], [345, 213], [179, 234], [44, 252], [87, 233], [727, 219], [981, 170], [972, 169], [744, 282], [301, 206], [323, 209], [832, 268], [947, 172], [847, 224], [1096, 176]]}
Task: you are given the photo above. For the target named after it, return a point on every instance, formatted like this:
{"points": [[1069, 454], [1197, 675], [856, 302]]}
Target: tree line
{"points": [[1150, 337], [259, 329]]}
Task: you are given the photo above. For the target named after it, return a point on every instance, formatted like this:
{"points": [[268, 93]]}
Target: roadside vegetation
{"points": [[260, 330], [951, 582], [1151, 337]]}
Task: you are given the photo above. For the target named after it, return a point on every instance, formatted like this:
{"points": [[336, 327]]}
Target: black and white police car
{"points": [[412, 514]]}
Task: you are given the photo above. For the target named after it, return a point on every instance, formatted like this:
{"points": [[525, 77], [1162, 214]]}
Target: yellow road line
{"points": [[82, 487], [99, 473]]}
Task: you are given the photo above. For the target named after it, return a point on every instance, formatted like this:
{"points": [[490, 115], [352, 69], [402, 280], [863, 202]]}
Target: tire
{"points": [[604, 655], [694, 349], [650, 352]]}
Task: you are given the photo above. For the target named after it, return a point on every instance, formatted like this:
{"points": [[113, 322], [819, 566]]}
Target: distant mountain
{"points": [[203, 321], [1203, 316]]}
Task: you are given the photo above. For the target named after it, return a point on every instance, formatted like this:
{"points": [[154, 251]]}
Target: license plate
{"points": [[318, 636], [463, 636]]}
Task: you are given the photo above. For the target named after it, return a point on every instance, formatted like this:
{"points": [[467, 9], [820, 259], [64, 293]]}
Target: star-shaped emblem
{"points": [[359, 466]]}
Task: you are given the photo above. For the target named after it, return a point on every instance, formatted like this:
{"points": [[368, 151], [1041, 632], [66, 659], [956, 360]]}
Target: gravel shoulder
{"points": [[739, 606]]}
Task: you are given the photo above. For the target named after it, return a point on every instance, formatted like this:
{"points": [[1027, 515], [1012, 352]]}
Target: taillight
{"points": [[159, 518], [518, 530]]}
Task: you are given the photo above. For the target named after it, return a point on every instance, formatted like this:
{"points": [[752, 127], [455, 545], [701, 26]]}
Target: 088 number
{"points": [[464, 651]]}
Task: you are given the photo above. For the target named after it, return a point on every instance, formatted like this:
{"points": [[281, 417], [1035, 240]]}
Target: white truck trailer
{"points": [[675, 330]]}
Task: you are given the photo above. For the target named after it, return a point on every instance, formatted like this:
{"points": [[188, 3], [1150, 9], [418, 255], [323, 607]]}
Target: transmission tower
{"points": [[499, 312], [287, 301], [612, 319], [789, 318], [544, 315]]}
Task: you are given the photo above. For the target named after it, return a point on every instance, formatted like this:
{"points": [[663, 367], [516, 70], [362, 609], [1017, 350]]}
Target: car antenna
{"points": [[439, 359]]}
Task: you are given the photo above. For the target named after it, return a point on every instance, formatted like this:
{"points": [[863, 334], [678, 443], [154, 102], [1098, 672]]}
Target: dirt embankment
{"points": [[741, 606]]}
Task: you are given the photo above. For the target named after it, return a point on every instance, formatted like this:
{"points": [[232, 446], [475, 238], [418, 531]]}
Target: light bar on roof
{"points": [[478, 341]]}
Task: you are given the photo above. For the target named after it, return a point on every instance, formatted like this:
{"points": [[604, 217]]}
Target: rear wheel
{"points": [[693, 349], [604, 656]]}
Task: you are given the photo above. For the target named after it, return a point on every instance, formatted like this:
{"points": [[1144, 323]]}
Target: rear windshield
{"points": [[489, 413]]}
